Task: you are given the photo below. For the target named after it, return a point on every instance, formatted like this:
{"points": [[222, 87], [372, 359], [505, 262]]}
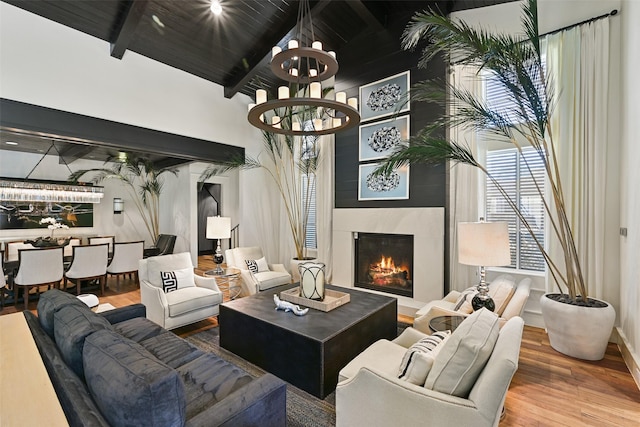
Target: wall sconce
{"points": [[118, 205]]}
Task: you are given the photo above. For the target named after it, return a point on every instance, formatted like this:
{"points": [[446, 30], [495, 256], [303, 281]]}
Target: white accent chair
{"points": [[369, 392], [38, 267], [446, 306], [182, 306], [256, 282], [125, 260], [88, 263]]}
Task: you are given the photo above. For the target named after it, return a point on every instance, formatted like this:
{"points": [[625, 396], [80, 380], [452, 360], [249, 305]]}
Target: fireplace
{"points": [[384, 262]]}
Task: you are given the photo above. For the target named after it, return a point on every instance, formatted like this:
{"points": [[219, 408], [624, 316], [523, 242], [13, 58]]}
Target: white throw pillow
{"points": [[463, 303], [418, 359], [464, 355], [262, 265], [501, 290], [257, 265], [177, 279]]}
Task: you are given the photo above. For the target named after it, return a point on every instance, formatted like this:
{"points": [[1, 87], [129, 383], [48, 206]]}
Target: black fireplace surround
{"points": [[384, 262]]}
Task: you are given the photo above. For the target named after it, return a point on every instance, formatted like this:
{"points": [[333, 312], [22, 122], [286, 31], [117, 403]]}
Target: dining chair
{"points": [[68, 249], [125, 260], [88, 263], [103, 239], [13, 248], [3, 281], [38, 267]]}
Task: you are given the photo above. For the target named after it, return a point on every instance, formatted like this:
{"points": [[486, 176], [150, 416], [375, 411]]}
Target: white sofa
{"points": [[200, 299], [369, 392], [446, 306], [276, 275]]}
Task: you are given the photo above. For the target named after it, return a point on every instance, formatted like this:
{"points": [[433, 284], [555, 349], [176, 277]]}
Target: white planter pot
{"points": [[580, 332], [293, 267]]}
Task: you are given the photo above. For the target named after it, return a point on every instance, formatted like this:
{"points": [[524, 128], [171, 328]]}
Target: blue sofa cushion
{"points": [[52, 301], [138, 329], [130, 386], [72, 324], [171, 349], [208, 380]]}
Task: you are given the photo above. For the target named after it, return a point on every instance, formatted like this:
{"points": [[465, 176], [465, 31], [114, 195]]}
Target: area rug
{"points": [[303, 409]]}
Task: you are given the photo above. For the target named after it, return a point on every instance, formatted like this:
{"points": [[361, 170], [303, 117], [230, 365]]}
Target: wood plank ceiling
{"points": [[234, 48]]}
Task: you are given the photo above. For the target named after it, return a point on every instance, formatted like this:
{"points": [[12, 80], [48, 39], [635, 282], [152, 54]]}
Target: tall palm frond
{"points": [[143, 181], [514, 63]]}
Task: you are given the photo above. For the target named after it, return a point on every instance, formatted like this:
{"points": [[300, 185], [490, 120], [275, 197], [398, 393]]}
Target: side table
{"points": [[228, 280], [445, 323]]}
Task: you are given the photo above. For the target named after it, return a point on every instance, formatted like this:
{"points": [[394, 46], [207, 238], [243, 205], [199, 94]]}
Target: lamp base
{"points": [[485, 301]]}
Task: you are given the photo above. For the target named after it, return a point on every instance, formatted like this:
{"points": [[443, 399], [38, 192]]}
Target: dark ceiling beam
{"points": [[71, 153], [127, 27], [287, 30], [77, 128], [367, 16]]}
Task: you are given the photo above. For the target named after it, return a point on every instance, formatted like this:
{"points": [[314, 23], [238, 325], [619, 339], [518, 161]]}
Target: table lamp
{"points": [[218, 227], [483, 244]]}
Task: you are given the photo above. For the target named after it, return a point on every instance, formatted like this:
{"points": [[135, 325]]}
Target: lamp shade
{"points": [[483, 244], [218, 227]]}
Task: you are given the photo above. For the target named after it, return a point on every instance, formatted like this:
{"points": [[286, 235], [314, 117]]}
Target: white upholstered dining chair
{"points": [[38, 267], [73, 241], [14, 247], [103, 239], [126, 256], [88, 263]]}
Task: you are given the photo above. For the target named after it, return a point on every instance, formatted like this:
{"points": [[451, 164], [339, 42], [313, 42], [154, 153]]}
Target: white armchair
{"points": [[369, 392], [173, 295], [276, 275], [508, 305]]}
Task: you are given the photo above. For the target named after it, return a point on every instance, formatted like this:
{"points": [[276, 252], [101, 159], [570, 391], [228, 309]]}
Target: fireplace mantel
{"points": [[427, 227]]}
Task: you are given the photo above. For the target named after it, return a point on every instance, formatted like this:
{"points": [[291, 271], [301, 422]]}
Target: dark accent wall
{"points": [[372, 57], [375, 56]]}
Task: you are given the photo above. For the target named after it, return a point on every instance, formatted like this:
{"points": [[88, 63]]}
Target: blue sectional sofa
{"points": [[118, 368]]}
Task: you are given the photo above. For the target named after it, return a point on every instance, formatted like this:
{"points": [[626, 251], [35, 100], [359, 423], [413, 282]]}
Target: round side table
{"points": [[228, 280], [445, 323]]}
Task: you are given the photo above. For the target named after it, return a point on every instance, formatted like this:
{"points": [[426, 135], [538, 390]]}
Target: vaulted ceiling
{"points": [[232, 49]]}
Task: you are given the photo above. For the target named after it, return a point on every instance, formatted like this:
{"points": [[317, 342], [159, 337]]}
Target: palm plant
{"points": [[513, 62], [142, 179], [291, 162]]}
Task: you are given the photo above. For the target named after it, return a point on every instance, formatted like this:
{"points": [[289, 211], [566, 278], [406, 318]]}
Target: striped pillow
{"points": [[418, 359], [252, 265]]}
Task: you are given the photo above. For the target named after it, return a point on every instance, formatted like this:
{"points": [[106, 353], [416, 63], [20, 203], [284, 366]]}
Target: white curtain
{"points": [[578, 63], [464, 182], [324, 203]]}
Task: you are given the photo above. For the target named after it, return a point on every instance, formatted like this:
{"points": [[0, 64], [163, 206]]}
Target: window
{"points": [[309, 185], [509, 168]]}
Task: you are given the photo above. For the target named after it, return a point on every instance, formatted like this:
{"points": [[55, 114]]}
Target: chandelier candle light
{"points": [[300, 108]]}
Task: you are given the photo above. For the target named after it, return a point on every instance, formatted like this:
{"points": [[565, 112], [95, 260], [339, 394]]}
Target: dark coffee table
{"points": [[306, 351]]}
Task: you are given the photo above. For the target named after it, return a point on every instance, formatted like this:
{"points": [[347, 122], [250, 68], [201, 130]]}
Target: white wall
{"points": [[628, 312], [48, 64]]}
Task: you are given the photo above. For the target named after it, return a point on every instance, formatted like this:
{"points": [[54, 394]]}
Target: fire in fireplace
{"points": [[384, 262]]}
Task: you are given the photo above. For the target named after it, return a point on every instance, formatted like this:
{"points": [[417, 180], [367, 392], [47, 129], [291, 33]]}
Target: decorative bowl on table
{"points": [[47, 242]]}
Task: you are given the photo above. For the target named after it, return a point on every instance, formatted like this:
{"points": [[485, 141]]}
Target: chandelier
{"points": [[16, 190], [301, 107]]}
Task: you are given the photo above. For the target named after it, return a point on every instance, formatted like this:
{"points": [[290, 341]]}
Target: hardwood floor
{"points": [[549, 389]]}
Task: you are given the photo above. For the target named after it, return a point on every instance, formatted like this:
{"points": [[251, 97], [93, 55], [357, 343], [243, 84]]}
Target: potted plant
{"points": [[577, 325], [291, 162], [142, 179]]}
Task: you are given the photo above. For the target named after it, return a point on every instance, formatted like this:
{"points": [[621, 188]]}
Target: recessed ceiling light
{"points": [[11, 143], [216, 8]]}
